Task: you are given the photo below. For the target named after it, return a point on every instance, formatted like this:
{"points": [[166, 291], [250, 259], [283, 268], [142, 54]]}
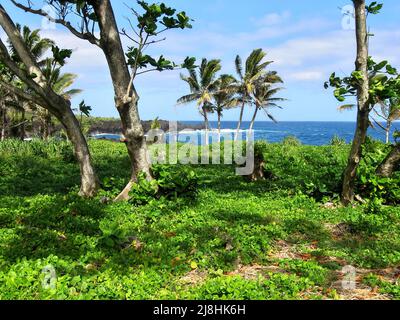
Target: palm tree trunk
{"points": [[219, 127], [253, 120], [388, 128], [362, 102], [207, 126], [240, 122]]}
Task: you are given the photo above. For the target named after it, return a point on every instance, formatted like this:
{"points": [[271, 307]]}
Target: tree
{"points": [[224, 97], [202, 88], [390, 163], [60, 83], [389, 111], [357, 84], [3, 111], [264, 96], [37, 46], [383, 89], [155, 19], [41, 93], [255, 68]]}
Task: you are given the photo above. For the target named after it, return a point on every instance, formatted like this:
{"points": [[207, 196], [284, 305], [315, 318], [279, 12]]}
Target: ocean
{"points": [[309, 133]]}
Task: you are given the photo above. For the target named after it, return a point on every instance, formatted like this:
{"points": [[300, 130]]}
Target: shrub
{"points": [[337, 141], [169, 183], [291, 141], [369, 184]]}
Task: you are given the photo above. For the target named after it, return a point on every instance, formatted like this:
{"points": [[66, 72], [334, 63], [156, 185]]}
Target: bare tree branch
{"points": [[82, 35], [22, 94]]}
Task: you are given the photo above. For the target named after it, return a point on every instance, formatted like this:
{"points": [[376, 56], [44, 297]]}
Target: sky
{"points": [[306, 40]]}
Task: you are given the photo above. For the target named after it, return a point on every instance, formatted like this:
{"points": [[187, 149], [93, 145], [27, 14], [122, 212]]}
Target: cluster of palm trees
{"points": [[254, 86], [17, 113]]}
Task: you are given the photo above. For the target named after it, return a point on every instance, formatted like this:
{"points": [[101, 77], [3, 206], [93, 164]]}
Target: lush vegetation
{"points": [[79, 219], [283, 238]]}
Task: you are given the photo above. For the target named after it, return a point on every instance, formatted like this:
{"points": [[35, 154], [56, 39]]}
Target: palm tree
{"points": [[202, 87], [224, 97], [60, 83], [254, 70], [38, 47], [264, 93]]}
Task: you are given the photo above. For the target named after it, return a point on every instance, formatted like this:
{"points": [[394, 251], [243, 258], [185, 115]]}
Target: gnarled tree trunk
{"points": [[126, 102], [89, 181], [362, 102], [391, 163], [46, 97]]}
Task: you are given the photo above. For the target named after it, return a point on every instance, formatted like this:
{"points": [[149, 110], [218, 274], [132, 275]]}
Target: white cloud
{"points": [[306, 75], [85, 54], [272, 19]]}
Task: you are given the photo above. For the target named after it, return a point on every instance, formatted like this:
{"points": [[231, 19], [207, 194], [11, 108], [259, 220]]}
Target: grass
{"points": [[275, 239]]}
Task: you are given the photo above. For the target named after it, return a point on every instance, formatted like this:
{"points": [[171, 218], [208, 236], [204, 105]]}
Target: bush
{"points": [[169, 183], [337, 141], [369, 184], [291, 141], [315, 171]]}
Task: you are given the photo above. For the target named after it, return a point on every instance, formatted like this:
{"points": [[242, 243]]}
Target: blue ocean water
{"points": [[309, 133]]}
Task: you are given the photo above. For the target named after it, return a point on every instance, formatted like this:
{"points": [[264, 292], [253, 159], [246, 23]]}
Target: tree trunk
{"points": [[253, 120], [388, 128], [22, 128], [390, 164], [362, 102], [3, 114], [219, 127], [240, 122], [3, 125], [258, 172], [207, 125], [89, 181], [46, 125], [126, 102], [46, 97]]}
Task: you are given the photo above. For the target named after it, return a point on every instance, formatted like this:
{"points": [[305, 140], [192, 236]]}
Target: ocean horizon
{"points": [[308, 132]]}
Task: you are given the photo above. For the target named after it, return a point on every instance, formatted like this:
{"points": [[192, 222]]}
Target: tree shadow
{"points": [[51, 225]]}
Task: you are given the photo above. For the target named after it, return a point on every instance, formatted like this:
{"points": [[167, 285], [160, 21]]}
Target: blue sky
{"points": [[305, 39]]}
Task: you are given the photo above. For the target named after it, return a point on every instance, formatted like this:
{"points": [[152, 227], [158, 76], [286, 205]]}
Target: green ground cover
{"points": [[283, 238]]}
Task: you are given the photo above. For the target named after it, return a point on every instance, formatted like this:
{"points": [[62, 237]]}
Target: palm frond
{"points": [[188, 98], [239, 67], [346, 107]]}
